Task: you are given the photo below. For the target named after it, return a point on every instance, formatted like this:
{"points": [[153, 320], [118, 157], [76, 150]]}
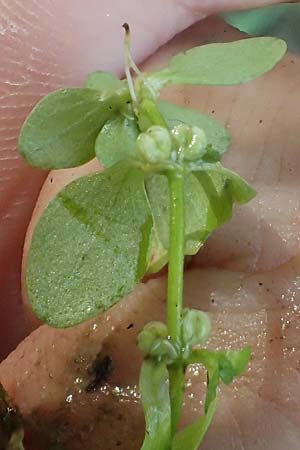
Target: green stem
{"points": [[148, 115], [175, 287], [127, 63]]}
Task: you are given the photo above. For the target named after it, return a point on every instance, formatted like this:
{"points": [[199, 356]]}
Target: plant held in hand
{"points": [[163, 192]]}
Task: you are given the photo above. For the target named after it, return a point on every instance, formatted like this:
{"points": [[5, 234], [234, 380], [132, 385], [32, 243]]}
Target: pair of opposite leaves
{"points": [[103, 232]]}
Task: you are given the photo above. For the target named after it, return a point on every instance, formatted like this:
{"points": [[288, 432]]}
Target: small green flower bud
{"points": [[196, 327], [191, 141], [180, 134], [164, 350], [155, 145], [153, 340], [152, 332]]}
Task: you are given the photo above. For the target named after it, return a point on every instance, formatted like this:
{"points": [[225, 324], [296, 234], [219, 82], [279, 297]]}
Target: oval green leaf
{"points": [[223, 185], [116, 141], [209, 197], [223, 64], [103, 81], [90, 247], [61, 130], [154, 388], [196, 207]]}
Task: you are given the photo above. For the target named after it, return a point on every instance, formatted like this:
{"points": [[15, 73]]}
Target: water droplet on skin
{"points": [[69, 398]]}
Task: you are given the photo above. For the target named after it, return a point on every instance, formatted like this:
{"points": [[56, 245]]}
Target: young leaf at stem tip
{"points": [[222, 64], [61, 130], [90, 247], [228, 364]]}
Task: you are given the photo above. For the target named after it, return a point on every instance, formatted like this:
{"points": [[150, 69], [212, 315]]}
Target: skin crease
{"points": [[44, 46]]}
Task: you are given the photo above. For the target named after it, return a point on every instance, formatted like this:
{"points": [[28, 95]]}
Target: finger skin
{"points": [[208, 7]]}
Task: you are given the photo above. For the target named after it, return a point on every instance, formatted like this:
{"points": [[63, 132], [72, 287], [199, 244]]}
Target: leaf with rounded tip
{"points": [[154, 388], [222, 64], [61, 130], [195, 218], [223, 187], [210, 194], [103, 81], [90, 247], [116, 141], [282, 21], [191, 437]]}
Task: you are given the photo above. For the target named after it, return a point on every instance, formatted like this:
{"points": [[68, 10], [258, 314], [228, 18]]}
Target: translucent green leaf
{"points": [[226, 370], [191, 437], [90, 247], [212, 385], [61, 130], [222, 187], [226, 365], [277, 20], [195, 327], [210, 194], [116, 141], [197, 205], [103, 81], [154, 388], [216, 134], [218, 181], [219, 365], [222, 64], [239, 360]]}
